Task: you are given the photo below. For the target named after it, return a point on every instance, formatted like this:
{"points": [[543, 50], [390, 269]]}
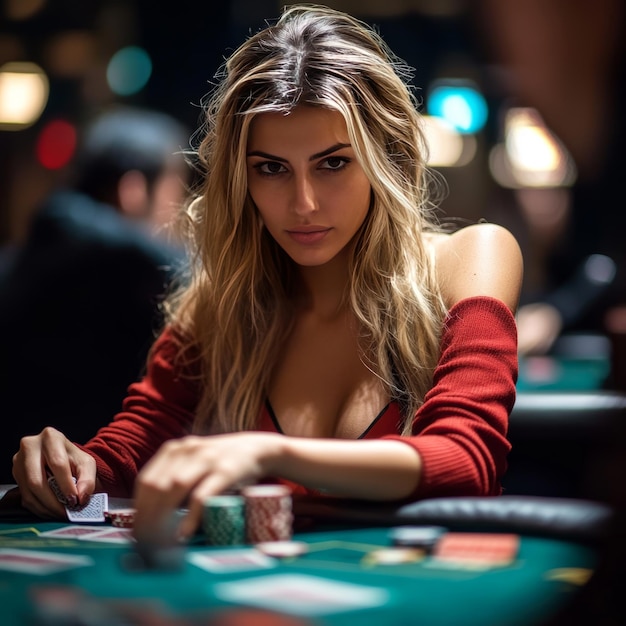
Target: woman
{"points": [[331, 335]]}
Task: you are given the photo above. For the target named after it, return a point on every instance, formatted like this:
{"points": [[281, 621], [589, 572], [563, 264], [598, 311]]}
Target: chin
{"points": [[309, 262]]}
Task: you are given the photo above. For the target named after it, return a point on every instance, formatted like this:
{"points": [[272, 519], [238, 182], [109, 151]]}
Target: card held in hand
{"points": [[92, 511], [54, 485]]}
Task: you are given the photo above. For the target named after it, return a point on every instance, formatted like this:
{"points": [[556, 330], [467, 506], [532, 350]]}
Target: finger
{"points": [[41, 501], [54, 452], [154, 504], [164, 484], [53, 511], [29, 471], [84, 469]]}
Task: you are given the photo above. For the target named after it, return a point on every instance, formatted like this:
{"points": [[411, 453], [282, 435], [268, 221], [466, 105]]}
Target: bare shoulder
{"points": [[478, 260]]}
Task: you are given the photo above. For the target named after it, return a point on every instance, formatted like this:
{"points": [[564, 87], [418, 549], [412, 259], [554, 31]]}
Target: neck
{"points": [[324, 289]]}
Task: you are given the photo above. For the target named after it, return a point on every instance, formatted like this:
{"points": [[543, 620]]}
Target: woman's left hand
{"points": [[190, 469]]}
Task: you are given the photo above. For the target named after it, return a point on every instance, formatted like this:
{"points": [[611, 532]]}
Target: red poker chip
{"points": [[269, 515], [123, 524], [122, 518]]}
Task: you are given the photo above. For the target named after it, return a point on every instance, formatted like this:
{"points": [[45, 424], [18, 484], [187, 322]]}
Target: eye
{"points": [[270, 168], [334, 163]]}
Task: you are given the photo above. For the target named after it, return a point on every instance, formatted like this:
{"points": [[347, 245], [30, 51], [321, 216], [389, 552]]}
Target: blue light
{"points": [[129, 70], [461, 106]]}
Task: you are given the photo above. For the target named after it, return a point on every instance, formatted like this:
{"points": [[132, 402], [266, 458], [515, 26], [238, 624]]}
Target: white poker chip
{"points": [[394, 556], [282, 549], [417, 536]]}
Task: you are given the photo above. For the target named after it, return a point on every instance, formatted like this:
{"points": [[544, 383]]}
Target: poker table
{"points": [[335, 581], [578, 362], [563, 373]]}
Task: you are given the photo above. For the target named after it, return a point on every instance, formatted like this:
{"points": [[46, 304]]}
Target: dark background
{"points": [[563, 57]]}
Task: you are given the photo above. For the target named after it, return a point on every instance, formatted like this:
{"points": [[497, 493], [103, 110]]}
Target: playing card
{"points": [[301, 594], [231, 560], [480, 550], [92, 511], [110, 535], [72, 532], [52, 483], [40, 563]]}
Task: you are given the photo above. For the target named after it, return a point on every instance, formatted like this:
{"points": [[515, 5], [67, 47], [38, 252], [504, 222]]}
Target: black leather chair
{"points": [[573, 519], [562, 442]]}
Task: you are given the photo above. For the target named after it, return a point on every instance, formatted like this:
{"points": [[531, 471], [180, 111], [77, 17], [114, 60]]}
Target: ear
{"points": [[132, 193]]}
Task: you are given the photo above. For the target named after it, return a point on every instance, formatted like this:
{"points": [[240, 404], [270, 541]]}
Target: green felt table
{"points": [[544, 576], [549, 373]]}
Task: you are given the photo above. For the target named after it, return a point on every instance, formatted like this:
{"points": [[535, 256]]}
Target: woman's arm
{"points": [[460, 430], [479, 260], [157, 409], [375, 469], [465, 423], [461, 427]]}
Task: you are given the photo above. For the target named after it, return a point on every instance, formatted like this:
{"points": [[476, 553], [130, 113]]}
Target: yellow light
{"points": [[445, 145], [23, 95], [535, 156]]}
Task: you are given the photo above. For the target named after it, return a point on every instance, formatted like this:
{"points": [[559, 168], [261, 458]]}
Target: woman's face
{"points": [[306, 183]]}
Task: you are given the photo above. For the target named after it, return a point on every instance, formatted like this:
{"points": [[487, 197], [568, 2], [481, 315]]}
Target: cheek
{"points": [[261, 208], [265, 208], [256, 198], [363, 199]]}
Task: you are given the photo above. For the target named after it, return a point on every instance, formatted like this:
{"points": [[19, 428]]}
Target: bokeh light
{"points": [[459, 103], [23, 94], [446, 146], [71, 54], [129, 70], [531, 155], [444, 142], [56, 144], [22, 9]]}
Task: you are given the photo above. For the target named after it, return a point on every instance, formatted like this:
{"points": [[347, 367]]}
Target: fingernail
{"points": [[72, 501]]}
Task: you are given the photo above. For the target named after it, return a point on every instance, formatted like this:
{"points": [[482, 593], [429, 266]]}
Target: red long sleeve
{"points": [[460, 430]]}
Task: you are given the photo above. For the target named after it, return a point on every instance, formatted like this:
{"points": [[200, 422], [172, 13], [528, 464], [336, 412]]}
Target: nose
{"points": [[304, 200]]}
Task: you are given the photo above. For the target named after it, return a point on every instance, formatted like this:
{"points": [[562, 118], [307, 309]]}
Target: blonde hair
{"points": [[236, 309]]}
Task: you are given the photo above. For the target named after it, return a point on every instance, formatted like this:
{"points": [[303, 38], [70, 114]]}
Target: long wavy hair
{"points": [[236, 309]]}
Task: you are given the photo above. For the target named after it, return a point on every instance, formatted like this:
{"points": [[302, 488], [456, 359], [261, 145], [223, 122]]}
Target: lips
{"points": [[308, 235]]}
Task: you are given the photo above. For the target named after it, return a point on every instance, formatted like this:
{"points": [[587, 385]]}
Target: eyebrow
{"points": [[317, 155]]}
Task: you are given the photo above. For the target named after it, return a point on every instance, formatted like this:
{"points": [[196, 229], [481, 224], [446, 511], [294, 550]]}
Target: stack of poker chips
{"points": [[262, 513], [223, 520], [122, 518], [269, 513]]}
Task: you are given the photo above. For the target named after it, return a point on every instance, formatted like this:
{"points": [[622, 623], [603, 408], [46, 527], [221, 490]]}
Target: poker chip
{"points": [[122, 518], [417, 536], [269, 514], [223, 520], [394, 556], [282, 549]]}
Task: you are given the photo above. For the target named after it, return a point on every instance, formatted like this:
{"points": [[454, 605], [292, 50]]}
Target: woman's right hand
{"points": [[47, 454]]}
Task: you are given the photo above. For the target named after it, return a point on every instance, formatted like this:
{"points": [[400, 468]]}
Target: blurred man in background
{"points": [[79, 303]]}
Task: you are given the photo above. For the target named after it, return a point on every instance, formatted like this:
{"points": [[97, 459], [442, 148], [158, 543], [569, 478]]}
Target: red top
{"points": [[459, 431]]}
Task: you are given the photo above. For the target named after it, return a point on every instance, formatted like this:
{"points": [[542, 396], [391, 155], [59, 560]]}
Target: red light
{"points": [[56, 144]]}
